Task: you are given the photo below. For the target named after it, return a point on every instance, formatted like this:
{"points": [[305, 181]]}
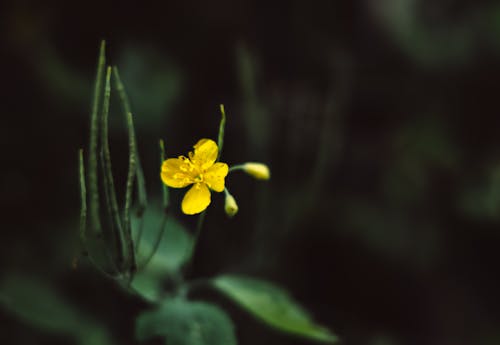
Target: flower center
{"points": [[198, 178]]}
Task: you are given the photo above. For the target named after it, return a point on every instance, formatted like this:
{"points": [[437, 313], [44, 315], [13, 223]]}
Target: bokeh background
{"points": [[378, 118]]}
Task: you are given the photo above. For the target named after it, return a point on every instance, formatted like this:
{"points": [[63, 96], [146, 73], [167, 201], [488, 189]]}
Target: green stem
{"points": [[157, 242], [135, 171], [237, 167], [109, 184], [199, 226], [83, 199], [141, 184], [83, 217], [128, 195], [222, 125], [165, 190], [165, 205]]}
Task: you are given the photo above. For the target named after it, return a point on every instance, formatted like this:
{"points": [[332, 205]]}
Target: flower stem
{"points": [[222, 125], [109, 185], [141, 185], [165, 191], [190, 253], [199, 226], [157, 242], [83, 196], [237, 167], [128, 195]]}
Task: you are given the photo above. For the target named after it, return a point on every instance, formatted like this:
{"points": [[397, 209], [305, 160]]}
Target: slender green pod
{"points": [[93, 143]]}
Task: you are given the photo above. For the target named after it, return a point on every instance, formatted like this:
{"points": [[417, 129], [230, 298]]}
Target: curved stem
{"points": [[157, 242], [222, 125], [199, 226], [190, 253], [237, 167], [109, 185]]}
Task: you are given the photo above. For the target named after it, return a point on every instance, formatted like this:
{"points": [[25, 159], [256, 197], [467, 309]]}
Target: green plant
{"points": [[141, 246]]}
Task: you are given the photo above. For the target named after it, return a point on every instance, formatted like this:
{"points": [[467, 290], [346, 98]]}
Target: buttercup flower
{"points": [[199, 169]]}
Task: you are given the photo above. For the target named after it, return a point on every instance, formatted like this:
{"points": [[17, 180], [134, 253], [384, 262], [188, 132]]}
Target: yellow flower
{"points": [[257, 170], [200, 170]]}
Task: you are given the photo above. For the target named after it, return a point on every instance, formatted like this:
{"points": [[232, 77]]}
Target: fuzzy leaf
{"points": [[38, 305], [272, 305], [174, 244], [171, 253], [182, 322]]}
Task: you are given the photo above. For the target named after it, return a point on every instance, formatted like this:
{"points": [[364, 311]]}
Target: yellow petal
{"points": [[205, 153], [196, 199], [177, 172], [214, 177]]}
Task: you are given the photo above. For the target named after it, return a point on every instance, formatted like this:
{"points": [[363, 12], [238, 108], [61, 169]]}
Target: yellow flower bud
{"points": [[257, 170], [230, 206]]}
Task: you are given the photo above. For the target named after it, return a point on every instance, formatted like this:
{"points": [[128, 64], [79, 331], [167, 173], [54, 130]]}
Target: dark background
{"points": [[378, 118]]}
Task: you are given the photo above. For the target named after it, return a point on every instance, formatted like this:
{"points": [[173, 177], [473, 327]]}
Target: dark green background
{"points": [[379, 120]]}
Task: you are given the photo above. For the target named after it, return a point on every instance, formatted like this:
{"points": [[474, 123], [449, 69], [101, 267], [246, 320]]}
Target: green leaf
{"points": [[39, 305], [174, 243], [172, 251], [182, 322], [148, 285], [272, 305]]}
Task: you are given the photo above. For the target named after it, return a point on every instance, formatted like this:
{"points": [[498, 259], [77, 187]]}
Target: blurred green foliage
{"points": [[144, 256], [159, 262], [378, 119], [187, 323], [272, 305], [154, 83], [37, 303]]}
